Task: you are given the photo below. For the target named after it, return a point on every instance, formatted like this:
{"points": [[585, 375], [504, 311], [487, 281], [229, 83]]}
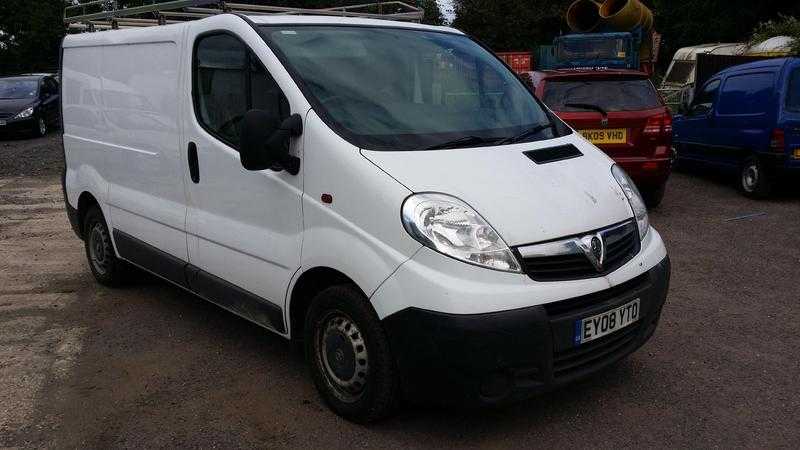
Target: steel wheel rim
{"points": [[750, 177], [42, 127], [342, 355], [98, 248]]}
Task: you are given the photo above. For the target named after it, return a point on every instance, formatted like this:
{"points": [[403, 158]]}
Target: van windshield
{"points": [[401, 89]]}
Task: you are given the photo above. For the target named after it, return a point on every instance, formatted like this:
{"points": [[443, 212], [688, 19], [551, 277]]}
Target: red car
{"points": [[621, 113]]}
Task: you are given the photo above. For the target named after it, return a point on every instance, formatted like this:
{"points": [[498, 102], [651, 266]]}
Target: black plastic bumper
{"points": [[497, 358]]}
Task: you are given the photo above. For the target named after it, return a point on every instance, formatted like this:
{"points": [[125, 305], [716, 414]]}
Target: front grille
{"points": [[572, 361], [621, 244], [630, 288], [6, 115]]}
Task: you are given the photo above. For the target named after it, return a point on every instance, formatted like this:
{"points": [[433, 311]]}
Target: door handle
{"points": [[194, 167]]}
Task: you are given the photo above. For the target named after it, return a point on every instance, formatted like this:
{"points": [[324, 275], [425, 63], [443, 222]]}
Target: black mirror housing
{"points": [[265, 141]]}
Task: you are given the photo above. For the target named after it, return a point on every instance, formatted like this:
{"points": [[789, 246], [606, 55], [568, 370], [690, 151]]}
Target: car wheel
{"points": [[41, 127], [654, 196], [348, 353], [755, 181], [106, 267]]}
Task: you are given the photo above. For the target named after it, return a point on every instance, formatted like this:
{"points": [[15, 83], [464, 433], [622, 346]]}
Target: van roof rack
{"points": [[97, 15]]}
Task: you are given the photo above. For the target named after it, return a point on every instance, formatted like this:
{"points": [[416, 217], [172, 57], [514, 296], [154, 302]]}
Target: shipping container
{"points": [[518, 61]]}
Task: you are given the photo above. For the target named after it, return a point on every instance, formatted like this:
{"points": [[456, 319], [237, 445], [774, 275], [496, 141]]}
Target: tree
{"points": [[433, 14], [30, 35], [506, 25]]}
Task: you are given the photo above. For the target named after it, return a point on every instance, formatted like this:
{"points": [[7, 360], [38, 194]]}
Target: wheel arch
{"points": [[85, 201], [310, 283]]}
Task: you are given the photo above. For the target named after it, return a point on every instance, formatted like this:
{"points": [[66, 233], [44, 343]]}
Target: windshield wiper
{"points": [[588, 106], [529, 132], [464, 141]]}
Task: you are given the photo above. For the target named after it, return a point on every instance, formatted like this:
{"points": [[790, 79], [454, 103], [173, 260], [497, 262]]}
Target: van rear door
{"points": [[790, 119]]}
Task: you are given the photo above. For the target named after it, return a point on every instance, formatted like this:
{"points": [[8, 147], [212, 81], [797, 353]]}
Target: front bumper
{"points": [[20, 125], [502, 357]]}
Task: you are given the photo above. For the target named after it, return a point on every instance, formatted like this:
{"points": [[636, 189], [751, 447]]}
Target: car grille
{"points": [[568, 262], [572, 361], [6, 115], [581, 305]]}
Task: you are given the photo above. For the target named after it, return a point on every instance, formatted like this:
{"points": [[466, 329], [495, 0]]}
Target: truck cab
{"points": [[619, 111]]}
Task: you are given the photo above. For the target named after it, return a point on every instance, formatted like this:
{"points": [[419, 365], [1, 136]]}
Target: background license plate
{"points": [[609, 136], [597, 326]]}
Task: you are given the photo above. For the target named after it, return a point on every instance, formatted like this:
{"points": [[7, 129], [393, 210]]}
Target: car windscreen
{"points": [[18, 89], [610, 95], [403, 89]]}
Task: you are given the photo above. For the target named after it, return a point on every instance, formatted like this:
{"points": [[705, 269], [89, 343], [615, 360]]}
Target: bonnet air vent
{"points": [[553, 154]]}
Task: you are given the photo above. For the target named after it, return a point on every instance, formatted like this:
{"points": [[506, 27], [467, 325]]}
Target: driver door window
{"points": [[229, 81], [705, 99]]}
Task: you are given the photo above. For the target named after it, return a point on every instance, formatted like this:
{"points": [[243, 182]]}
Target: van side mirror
{"points": [[265, 139]]}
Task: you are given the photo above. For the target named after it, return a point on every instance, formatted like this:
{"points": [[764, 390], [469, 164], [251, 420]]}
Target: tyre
{"points": [[41, 127], [654, 196], [348, 353], [107, 269], [755, 181]]}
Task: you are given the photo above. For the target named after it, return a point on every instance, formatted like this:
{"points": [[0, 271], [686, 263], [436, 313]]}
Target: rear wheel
{"points": [[348, 353], [654, 196], [106, 267], [755, 181]]}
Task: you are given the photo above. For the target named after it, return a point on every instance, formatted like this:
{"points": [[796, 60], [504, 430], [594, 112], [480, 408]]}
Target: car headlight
{"points": [[450, 226], [634, 198], [25, 113]]}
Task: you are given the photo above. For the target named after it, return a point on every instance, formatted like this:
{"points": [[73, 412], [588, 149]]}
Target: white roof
{"points": [[172, 32], [773, 46], [726, 48], [291, 19]]}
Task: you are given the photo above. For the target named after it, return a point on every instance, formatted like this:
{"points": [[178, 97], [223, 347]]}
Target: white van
{"points": [[390, 193]]}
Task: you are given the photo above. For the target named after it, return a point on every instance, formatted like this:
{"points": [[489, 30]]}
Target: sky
{"points": [[447, 9]]}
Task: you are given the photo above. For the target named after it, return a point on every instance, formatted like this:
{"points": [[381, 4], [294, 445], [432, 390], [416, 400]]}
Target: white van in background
{"points": [[390, 193]]}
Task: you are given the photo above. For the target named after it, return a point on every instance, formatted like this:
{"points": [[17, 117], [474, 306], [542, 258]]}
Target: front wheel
{"points": [[349, 356], [41, 127], [754, 179], [106, 267], [654, 196]]}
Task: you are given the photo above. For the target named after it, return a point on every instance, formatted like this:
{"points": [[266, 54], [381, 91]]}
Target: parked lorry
{"points": [[617, 34]]}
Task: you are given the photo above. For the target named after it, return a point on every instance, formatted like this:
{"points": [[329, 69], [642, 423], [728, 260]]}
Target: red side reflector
{"points": [[777, 141], [327, 198]]}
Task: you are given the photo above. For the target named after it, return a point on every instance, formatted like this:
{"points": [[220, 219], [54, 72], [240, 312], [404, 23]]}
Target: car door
{"points": [[48, 95], [244, 227], [694, 130]]}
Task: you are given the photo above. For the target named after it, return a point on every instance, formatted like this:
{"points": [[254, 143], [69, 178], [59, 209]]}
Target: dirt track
{"points": [[151, 366]]}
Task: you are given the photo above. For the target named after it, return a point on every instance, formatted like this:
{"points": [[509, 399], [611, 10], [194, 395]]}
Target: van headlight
{"points": [[450, 226], [634, 198], [25, 113]]}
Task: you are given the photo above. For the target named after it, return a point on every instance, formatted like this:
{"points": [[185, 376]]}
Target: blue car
{"points": [[746, 119]]}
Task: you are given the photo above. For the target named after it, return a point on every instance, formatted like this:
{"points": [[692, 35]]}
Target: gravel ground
{"points": [[151, 366]]}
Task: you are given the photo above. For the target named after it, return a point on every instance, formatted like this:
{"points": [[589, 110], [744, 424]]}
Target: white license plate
{"points": [[605, 323], [2, 123]]}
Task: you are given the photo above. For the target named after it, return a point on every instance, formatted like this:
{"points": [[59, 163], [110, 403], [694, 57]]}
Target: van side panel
{"points": [[745, 112], [84, 124], [140, 95], [369, 252]]}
